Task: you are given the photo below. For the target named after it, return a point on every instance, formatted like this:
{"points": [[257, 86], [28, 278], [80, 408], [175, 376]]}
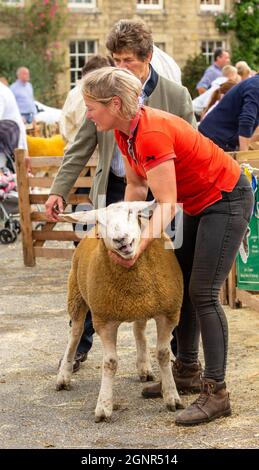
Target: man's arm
{"points": [[205, 81], [76, 157], [244, 142], [187, 108], [248, 116]]}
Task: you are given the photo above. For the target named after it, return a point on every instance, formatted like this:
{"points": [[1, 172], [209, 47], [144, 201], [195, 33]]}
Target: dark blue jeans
{"points": [[210, 244]]}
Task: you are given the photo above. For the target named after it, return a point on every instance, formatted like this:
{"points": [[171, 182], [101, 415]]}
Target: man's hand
{"points": [[54, 206]]}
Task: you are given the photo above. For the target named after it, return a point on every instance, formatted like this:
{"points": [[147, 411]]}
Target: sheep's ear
{"points": [[143, 208], [84, 217]]}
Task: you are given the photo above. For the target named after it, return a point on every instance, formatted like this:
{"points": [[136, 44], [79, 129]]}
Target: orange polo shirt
{"points": [[202, 169]]}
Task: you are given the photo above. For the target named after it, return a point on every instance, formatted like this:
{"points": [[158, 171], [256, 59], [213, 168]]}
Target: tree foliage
{"points": [[192, 72], [34, 42], [244, 21]]}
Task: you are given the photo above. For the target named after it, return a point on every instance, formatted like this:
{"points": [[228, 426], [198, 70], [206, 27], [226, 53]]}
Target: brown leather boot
{"points": [[213, 402], [186, 376]]}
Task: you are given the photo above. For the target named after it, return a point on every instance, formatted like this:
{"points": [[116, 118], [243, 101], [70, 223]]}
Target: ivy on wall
{"points": [[35, 38], [244, 21]]}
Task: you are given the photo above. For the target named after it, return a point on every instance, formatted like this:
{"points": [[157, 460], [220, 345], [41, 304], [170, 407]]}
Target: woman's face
{"points": [[100, 114]]}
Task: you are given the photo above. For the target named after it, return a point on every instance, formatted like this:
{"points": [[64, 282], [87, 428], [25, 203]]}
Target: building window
{"points": [[82, 3], [79, 53], [212, 5], [12, 2], [151, 4], [208, 48]]}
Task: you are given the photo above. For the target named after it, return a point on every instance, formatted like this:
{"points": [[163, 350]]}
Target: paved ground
{"points": [[33, 415]]}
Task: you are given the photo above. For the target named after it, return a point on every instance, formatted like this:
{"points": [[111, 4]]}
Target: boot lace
{"points": [[204, 395]]}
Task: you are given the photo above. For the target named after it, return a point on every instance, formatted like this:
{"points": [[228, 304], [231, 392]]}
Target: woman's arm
{"points": [[137, 187], [162, 182]]}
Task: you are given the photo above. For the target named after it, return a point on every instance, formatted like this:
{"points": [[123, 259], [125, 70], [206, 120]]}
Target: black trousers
{"points": [[210, 244]]}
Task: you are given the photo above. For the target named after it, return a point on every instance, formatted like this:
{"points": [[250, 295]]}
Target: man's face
{"points": [[23, 75], [223, 60], [126, 59]]}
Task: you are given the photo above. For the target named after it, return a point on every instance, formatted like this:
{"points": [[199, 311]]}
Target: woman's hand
{"points": [[128, 263]]}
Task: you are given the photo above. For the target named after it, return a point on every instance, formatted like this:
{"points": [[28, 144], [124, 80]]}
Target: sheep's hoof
{"points": [[63, 386], [170, 407], [179, 405], [149, 377], [99, 419]]}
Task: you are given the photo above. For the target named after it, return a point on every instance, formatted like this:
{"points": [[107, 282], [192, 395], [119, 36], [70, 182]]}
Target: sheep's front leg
{"points": [[108, 335], [66, 366], [164, 331], [143, 357]]}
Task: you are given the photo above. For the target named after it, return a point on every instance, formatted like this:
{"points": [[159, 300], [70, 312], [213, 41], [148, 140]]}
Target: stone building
{"points": [[182, 28]]}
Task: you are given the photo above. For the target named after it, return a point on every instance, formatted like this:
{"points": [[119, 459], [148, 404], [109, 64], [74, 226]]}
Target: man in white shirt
{"points": [[165, 65], [9, 110]]}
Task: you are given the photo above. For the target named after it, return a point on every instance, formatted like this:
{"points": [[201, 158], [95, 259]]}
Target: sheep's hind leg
{"points": [[143, 357], [108, 335], [77, 328], [170, 394]]}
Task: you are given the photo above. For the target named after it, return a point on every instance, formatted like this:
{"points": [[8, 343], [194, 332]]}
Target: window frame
{"points": [[209, 55], [149, 6], [77, 54], [213, 8], [12, 3], [75, 5]]}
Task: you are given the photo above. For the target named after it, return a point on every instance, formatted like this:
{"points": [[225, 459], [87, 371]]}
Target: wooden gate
{"points": [[31, 207]]}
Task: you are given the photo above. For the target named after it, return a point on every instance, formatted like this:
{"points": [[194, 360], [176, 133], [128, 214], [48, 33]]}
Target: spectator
{"points": [[233, 121], [229, 72], [4, 80], [217, 96], [243, 69], [221, 58], [23, 92], [74, 109], [130, 43], [9, 110], [165, 65]]}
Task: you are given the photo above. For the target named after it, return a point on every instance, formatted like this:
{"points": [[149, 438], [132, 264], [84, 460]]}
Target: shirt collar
{"points": [[150, 83]]}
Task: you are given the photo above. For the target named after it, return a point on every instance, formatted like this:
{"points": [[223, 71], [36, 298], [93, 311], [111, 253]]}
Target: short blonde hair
{"points": [[103, 84], [243, 69]]}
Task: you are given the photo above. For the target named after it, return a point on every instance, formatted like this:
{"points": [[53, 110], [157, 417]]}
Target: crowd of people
{"points": [[132, 105]]}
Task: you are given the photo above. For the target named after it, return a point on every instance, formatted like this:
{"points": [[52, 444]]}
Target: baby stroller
{"points": [[9, 136]]}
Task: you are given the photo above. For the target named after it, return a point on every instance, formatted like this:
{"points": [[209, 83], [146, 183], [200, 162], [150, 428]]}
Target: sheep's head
{"points": [[118, 225]]}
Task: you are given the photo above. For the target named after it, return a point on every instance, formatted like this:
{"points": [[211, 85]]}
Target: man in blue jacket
{"points": [[233, 121]]}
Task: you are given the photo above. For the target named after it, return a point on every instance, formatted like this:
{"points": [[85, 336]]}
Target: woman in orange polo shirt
{"points": [[164, 153]]}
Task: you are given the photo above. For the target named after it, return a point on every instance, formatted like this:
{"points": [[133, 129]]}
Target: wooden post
{"points": [[25, 208]]}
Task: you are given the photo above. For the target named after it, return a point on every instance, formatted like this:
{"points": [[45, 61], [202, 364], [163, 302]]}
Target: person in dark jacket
{"points": [[233, 121]]}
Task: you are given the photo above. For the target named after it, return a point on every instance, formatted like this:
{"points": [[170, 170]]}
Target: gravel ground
{"points": [[33, 415]]}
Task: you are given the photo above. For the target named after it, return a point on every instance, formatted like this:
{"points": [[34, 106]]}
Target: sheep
{"points": [[151, 288]]}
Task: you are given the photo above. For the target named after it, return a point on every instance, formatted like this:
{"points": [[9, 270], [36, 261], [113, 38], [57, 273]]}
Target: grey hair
{"points": [[103, 84]]}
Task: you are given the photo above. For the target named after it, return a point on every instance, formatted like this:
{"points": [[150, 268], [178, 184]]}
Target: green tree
{"points": [[244, 21], [192, 72], [34, 42]]}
